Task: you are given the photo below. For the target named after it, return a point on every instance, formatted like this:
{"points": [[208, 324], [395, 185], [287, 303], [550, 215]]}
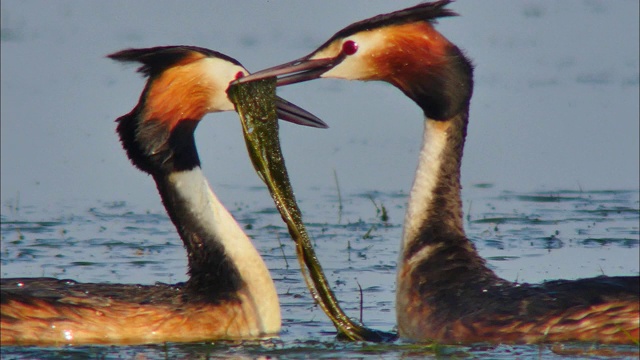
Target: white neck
{"points": [[206, 210], [434, 142]]}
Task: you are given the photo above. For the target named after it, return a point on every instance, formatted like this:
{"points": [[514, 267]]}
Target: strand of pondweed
{"points": [[255, 103]]}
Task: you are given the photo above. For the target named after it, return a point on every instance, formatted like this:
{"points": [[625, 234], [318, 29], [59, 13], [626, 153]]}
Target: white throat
{"points": [[211, 214], [434, 141]]}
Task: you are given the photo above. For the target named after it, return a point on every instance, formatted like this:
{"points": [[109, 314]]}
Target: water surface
{"points": [[526, 237]]}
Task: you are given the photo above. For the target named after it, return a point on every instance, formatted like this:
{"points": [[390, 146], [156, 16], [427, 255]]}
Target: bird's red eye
{"points": [[349, 47], [239, 75]]}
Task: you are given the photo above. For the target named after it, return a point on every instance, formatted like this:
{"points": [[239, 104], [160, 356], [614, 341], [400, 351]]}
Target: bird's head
{"points": [[402, 48], [184, 83]]}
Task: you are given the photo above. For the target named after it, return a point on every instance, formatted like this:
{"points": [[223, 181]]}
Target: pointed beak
{"points": [[297, 115], [303, 69]]}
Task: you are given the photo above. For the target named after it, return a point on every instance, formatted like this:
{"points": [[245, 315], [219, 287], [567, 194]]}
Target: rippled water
{"points": [[527, 237]]}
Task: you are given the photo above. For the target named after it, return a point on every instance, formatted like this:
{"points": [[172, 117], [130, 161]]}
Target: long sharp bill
{"points": [[303, 69], [292, 113]]}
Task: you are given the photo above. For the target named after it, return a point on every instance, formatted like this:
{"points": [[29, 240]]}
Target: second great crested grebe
{"points": [[229, 294], [445, 291]]}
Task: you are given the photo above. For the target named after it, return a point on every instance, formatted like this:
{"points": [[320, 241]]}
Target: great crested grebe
{"points": [[445, 291], [230, 294]]}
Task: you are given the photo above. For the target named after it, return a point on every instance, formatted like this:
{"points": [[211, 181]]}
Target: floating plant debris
{"points": [[256, 104]]}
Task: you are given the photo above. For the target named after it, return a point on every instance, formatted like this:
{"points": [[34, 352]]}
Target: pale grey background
{"points": [[555, 103]]}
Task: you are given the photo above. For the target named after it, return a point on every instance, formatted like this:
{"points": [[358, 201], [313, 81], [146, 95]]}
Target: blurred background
{"points": [[555, 104]]}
